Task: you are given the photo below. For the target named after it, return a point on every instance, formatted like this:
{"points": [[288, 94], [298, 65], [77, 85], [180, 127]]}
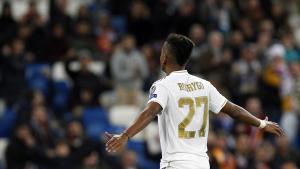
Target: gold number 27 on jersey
{"points": [[182, 133]]}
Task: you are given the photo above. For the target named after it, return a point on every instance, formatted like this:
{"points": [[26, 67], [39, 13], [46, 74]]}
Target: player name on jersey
{"points": [[190, 86]]}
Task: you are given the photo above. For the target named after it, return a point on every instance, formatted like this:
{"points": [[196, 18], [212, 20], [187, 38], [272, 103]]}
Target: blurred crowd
{"points": [[53, 70]]}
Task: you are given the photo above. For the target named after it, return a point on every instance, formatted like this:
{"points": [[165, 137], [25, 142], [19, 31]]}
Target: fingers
{"points": [[108, 136], [277, 132], [114, 146], [275, 129], [110, 145], [111, 140], [117, 148], [280, 130]]}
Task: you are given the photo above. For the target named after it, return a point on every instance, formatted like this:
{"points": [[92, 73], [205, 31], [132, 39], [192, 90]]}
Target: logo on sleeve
{"points": [[152, 94]]}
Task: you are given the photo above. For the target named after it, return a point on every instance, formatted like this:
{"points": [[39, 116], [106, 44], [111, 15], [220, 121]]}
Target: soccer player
{"points": [[183, 102]]}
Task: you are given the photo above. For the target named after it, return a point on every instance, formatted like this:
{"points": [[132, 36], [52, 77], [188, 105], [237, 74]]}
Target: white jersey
{"points": [[186, 101]]}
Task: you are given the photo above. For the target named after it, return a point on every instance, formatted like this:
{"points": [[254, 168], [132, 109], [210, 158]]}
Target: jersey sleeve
{"points": [[158, 94], [216, 100]]}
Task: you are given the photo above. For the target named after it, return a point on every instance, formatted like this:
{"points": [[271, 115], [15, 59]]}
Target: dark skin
{"points": [[115, 143]]}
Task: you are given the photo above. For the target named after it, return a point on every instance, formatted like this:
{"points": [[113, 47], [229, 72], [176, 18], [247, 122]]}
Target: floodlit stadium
{"points": [[118, 84]]}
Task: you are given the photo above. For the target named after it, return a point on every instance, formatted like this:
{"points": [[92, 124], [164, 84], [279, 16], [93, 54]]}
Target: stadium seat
{"points": [[37, 78], [95, 121], [123, 116], [115, 129], [61, 94], [145, 163], [137, 146], [152, 138], [119, 24], [7, 123]]}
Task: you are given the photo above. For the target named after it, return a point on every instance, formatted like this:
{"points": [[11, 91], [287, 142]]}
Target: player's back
{"points": [[183, 123]]}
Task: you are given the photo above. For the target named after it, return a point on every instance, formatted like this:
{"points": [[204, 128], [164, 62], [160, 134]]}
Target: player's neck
{"points": [[174, 68]]}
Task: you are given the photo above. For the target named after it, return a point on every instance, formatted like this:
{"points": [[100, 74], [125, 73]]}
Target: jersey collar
{"points": [[179, 72]]}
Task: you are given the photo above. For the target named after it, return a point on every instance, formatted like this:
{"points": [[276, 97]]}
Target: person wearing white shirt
{"points": [[182, 103]]}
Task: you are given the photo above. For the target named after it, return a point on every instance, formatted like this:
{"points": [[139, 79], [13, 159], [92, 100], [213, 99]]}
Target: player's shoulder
{"points": [[200, 79], [161, 81]]}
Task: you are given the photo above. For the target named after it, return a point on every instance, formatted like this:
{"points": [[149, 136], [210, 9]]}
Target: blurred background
{"points": [[72, 69]]}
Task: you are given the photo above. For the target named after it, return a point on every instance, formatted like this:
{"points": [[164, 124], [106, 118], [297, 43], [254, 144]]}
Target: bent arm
{"points": [[144, 119], [240, 113]]}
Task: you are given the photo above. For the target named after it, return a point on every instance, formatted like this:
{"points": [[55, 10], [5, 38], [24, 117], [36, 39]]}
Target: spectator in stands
{"points": [[25, 33], [7, 22], [185, 17], [93, 161], [197, 35], [285, 152], [13, 64], [295, 72], [289, 165], [153, 66], [218, 15], [18, 154], [247, 28], [129, 160], [253, 105], [86, 84], [236, 43], [224, 158], [57, 44], [276, 80], [63, 158], [278, 15], [242, 152], [84, 14], [43, 128], [263, 43], [139, 22], [266, 26], [106, 36], [211, 53], [33, 31], [291, 52], [264, 155], [78, 142], [129, 69], [58, 14], [32, 16], [246, 73], [84, 38], [35, 98]]}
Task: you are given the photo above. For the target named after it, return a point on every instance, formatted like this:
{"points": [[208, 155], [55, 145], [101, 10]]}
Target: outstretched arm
{"points": [[117, 142], [243, 115]]}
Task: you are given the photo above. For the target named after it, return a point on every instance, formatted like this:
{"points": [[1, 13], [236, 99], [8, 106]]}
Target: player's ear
{"points": [[164, 60], [162, 57]]}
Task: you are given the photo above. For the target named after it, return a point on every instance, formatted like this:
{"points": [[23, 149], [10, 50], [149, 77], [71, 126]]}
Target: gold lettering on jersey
{"points": [[190, 86]]}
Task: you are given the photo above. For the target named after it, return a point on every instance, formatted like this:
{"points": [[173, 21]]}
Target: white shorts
{"points": [[203, 164]]}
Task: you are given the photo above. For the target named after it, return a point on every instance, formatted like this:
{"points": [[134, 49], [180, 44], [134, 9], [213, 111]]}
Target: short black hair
{"points": [[180, 47]]}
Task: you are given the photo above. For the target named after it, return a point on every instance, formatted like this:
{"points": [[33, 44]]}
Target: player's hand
{"points": [[273, 128], [115, 143]]}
